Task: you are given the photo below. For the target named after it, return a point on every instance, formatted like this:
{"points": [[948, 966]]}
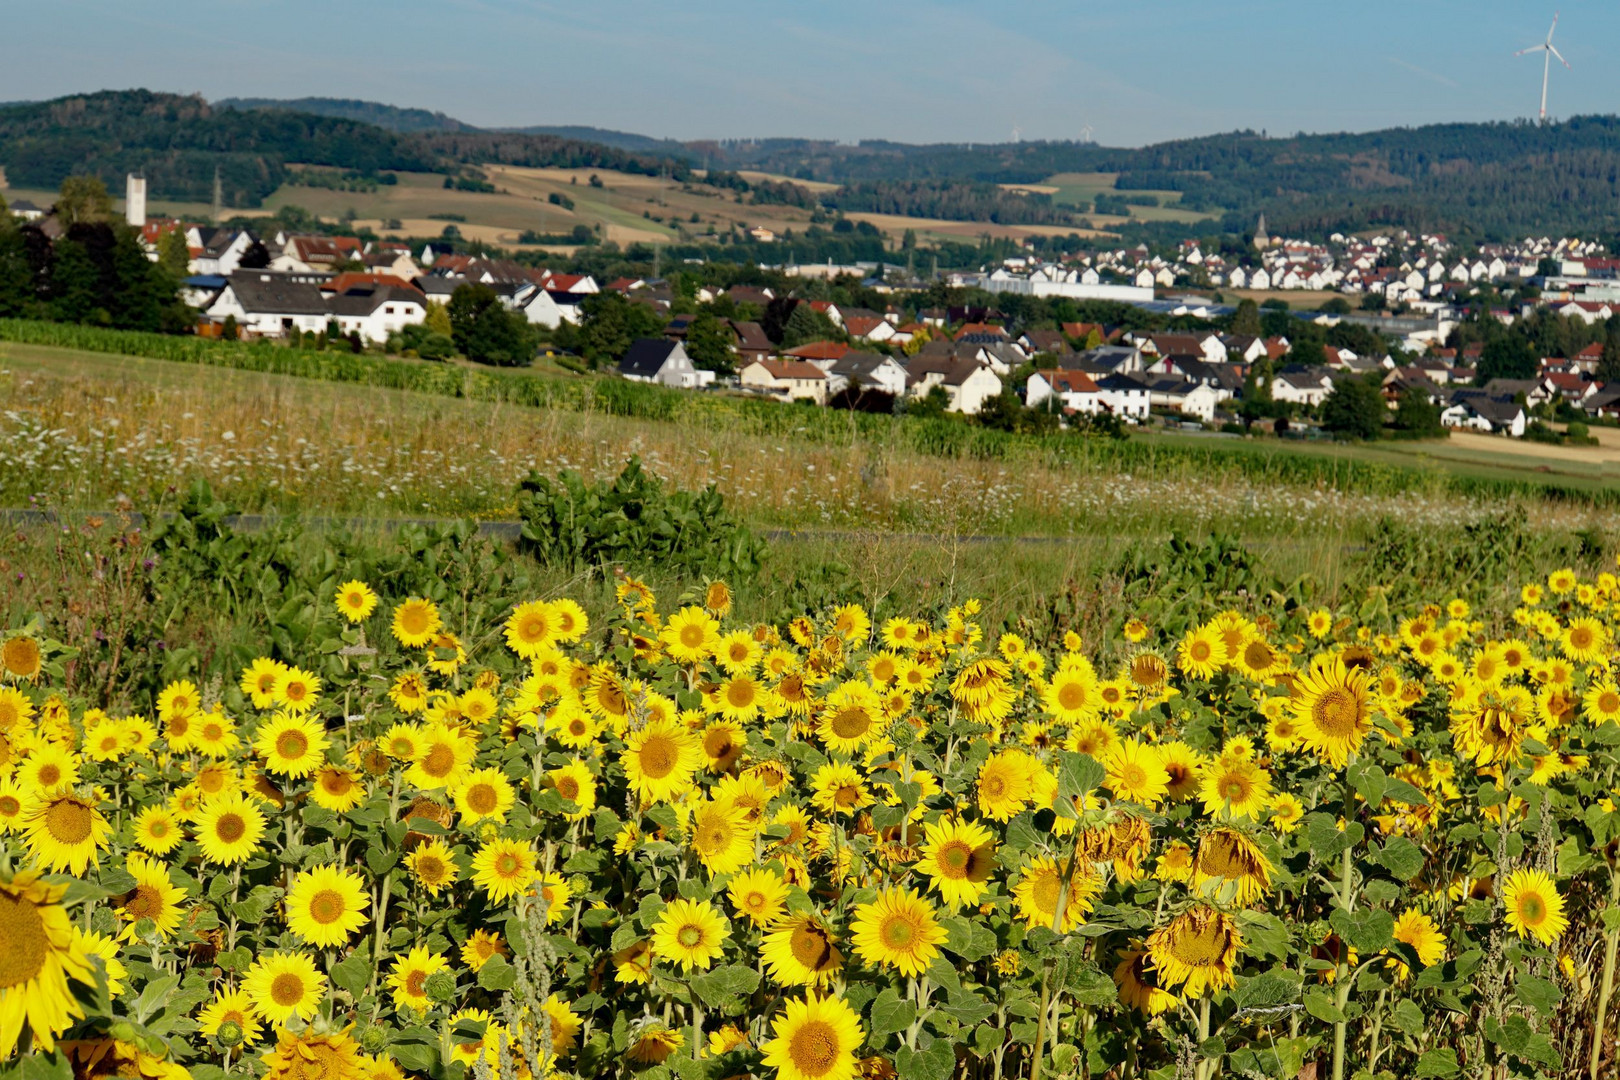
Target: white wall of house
{"points": [[388, 318], [974, 391], [263, 323]]}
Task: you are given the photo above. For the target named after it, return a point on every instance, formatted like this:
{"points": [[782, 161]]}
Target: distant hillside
{"points": [[389, 117], [179, 142], [1501, 179], [622, 140]]}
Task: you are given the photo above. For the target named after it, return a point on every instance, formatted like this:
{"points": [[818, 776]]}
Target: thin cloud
{"points": [[1432, 76]]}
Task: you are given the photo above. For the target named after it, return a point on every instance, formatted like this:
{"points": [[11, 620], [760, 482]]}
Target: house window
{"points": [[286, 323], [389, 310]]}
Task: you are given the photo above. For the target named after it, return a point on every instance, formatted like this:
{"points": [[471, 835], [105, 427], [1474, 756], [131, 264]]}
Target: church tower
{"points": [[1261, 240]]}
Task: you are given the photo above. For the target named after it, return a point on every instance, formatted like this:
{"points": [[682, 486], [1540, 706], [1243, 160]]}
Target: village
{"points": [[1407, 290]]}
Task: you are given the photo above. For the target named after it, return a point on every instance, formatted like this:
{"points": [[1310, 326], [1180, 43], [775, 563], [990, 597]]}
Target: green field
{"points": [[1076, 189]]}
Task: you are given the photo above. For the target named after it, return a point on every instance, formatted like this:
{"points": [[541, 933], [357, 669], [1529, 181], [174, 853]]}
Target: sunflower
{"points": [[659, 760], [355, 601], [801, 950], [1037, 895], [504, 868], [723, 744], [1239, 785], [1196, 951], [958, 858], [16, 710], [13, 803], [816, 1039], [1133, 771], [1201, 653], [653, 1043], [1320, 624], [309, 1055], [1286, 812], [837, 788], [259, 681], [21, 658], [530, 629], [64, 830], [481, 947], [1226, 855], [1331, 706], [1416, 929], [1601, 703], [284, 985], [155, 898], [297, 690], [850, 717], [415, 622], [690, 933], [760, 895], [325, 905], [1175, 863], [442, 754], [1534, 907], [1585, 640], [41, 955], [214, 735], [432, 865], [1006, 783], [291, 745], [337, 789], [575, 783], [722, 836], [690, 635], [409, 978], [737, 652], [402, 742], [897, 930], [1139, 984], [105, 949], [47, 768], [484, 795], [1181, 764], [234, 1007], [229, 828], [156, 829]]}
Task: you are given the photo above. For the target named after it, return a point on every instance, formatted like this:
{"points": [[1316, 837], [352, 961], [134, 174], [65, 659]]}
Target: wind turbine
{"points": [[1548, 52]]}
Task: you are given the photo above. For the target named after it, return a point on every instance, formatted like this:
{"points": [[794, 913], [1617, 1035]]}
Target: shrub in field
{"points": [[1277, 841], [632, 521]]}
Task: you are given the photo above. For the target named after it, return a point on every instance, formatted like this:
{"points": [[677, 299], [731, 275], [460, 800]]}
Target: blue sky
{"points": [[1135, 71]]}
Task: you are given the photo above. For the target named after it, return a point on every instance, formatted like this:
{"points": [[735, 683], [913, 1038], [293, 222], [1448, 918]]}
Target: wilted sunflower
{"points": [[897, 930], [283, 985], [1331, 704], [653, 1042], [1534, 907], [958, 858], [1139, 984], [325, 905], [690, 933], [1227, 855], [816, 1039], [801, 951], [1196, 951]]}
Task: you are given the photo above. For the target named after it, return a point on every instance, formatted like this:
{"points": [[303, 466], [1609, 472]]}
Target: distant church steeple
{"points": [[1261, 240]]}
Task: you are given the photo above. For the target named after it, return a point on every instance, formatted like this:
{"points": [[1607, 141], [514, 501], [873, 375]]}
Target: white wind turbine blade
{"points": [[1560, 56], [1551, 28], [1531, 49]]}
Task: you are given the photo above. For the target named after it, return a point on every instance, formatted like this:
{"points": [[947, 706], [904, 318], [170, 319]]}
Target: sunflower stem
{"points": [[697, 1021], [1611, 946], [1347, 900]]}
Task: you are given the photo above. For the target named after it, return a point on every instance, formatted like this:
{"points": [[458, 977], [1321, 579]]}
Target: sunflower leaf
{"points": [[1320, 1005], [497, 974], [1078, 775], [723, 986], [1438, 1064], [353, 973], [890, 1013], [1367, 930], [1402, 858], [937, 1062], [1539, 994]]}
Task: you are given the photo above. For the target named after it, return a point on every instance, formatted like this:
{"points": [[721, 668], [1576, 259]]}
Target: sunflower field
{"points": [[1276, 842]]}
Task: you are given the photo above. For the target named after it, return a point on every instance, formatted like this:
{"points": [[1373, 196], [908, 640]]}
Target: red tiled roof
{"points": [[343, 282], [819, 350], [1072, 382], [792, 369], [862, 325]]}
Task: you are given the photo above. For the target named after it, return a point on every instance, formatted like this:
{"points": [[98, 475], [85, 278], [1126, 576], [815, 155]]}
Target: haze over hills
{"points": [[1481, 179]]}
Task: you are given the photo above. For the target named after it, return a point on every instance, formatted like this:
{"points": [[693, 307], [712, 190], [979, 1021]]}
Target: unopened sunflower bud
{"points": [[123, 1031], [229, 1034], [373, 1039], [902, 735], [440, 986]]}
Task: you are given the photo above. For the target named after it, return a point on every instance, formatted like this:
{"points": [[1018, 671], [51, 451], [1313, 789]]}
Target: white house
{"points": [[1124, 396], [1185, 396], [967, 385], [1074, 390], [662, 361], [1481, 412], [1309, 387], [866, 371], [542, 307], [377, 311], [787, 379], [222, 252], [270, 304]]}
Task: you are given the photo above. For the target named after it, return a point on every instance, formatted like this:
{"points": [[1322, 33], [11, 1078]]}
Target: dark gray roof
{"points": [[366, 299], [262, 292], [858, 366], [1110, 357], [23, 206], [647, 356], [1119, 380]]}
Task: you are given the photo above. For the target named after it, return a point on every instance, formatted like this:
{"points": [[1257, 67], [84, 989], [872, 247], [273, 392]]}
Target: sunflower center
{"points": [[482, 798], [847, 794], [337, 783], [287, 990], [1337, 713], [754, 901], [1234, 787], [1045, 892], [429, 867], [439, 760], [658, 756], [740, 693], [1133, 776], [1202, 946], [69, 821], [851, 722], [814, 1048], [1532, 911], [533, 628], [898, 932], [1220, 856], [415, 979], [811, 947], [955, 858], [23, 944], [1200, 651], [326, 907], [21, 656], [210, 781], [568, 788], [1257, 655], [292, 745], [230, 828], [413, 619], [507, 864], [690, 936], [1071, 695], [145, 903], [10, 806], [1580, 637], [50, 774]]}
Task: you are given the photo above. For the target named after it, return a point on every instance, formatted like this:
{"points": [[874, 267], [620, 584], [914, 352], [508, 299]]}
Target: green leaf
{"points": [[1539, 994], [1263, 935], [1367, 930], [353, 973], [38, 1066], [1078, 775], [415, 1057], [1441, 1064], [1320, 1005], [1401, 791], [1089, 985], [497, 974], [1323, 834], [724, 985], [1268, 989], [1409, 1018], [972, 941], [1369, 780], [1402, 858], [937, 1062], [891, 1013]]}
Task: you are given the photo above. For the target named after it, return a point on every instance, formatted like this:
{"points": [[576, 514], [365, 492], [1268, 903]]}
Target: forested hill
{"points": [[391, 117], [1492, 179], [179, 141]]}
